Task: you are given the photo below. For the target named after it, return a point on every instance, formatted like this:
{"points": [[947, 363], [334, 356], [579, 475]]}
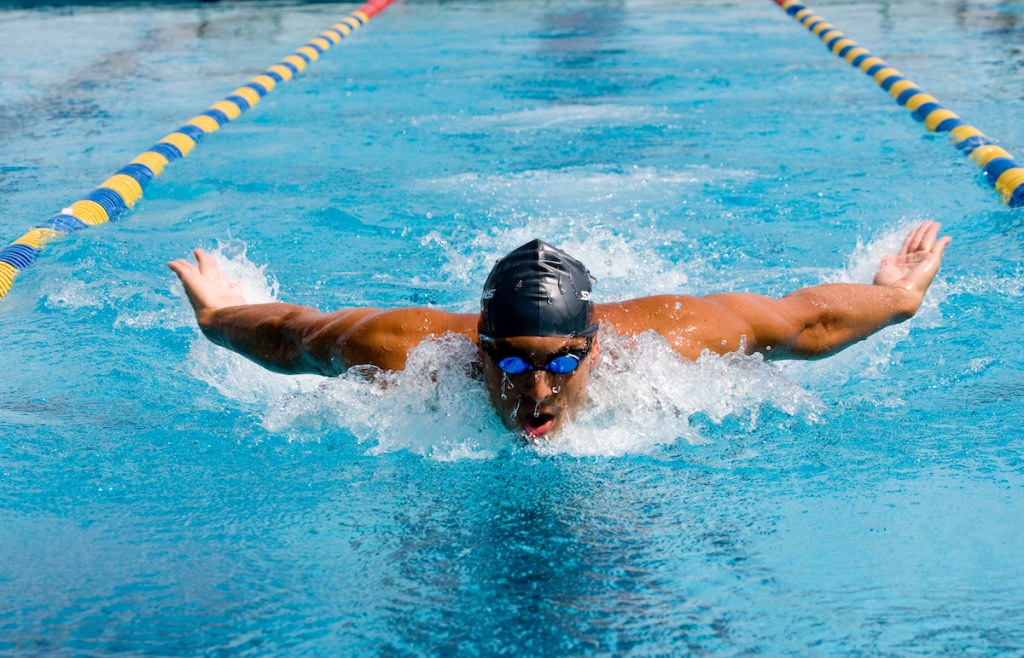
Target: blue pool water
{"points": [[159, 496]]}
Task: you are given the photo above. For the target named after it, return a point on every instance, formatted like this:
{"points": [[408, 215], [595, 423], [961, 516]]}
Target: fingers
{"points": [[907, 242], [940, 246], [928, 235], [182, 268], [207, 263], [921, 238], [917, 237]]}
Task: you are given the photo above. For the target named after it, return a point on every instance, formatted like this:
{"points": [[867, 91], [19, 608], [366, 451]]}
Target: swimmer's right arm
{"points": [[272, 335], [294, 339]]}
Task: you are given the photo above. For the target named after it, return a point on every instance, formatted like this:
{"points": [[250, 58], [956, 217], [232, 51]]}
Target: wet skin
{"points": [[537, 402]]}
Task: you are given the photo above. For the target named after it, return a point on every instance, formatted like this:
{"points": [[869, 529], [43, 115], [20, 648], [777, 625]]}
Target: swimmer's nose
{"points": [[538, 385]]}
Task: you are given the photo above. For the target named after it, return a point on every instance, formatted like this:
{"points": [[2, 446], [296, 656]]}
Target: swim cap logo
{"points": [[488, 294], [584, 295]]}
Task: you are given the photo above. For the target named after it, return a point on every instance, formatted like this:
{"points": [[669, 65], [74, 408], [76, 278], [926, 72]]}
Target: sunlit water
{"points": [[162, 496]]}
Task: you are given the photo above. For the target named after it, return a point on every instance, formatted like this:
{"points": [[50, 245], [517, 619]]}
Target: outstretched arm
{"points": [[821, 320], [296, 339], [807, 324]]}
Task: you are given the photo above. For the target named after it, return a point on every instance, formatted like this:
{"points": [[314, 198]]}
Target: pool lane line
{"points": [[1001, 171], [120, 192]]}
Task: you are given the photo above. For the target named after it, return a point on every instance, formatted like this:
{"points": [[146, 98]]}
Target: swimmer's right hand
{"points": [[205, 284]]}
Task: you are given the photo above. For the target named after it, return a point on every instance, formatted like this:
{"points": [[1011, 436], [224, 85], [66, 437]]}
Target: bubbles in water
{"points": [[72, 293]]}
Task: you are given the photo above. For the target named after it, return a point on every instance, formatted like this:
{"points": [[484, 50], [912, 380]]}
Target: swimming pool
{"points": [[162, 497]]}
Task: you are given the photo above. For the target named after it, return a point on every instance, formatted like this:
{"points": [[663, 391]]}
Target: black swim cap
{"points": [[537, 290]]}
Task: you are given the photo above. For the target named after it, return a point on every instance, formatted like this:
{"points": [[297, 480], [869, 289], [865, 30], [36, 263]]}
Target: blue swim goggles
{"points": [[563, 364]]}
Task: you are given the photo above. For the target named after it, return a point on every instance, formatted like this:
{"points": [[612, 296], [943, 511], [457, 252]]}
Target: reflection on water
{"points": [[552, 553]]}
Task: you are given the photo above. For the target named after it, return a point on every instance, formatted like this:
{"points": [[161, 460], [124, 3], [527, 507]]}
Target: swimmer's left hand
{"points": [[205, 284], [914, 267]]}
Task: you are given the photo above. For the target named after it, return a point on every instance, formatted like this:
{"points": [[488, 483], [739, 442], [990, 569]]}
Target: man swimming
{"points": [[537, 330]]}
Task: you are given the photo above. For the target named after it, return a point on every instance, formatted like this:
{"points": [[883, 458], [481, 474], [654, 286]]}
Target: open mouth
{"points": [[538, 425]]}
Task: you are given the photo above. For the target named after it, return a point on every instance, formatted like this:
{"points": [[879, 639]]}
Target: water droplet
{"points": [[515, 410]]}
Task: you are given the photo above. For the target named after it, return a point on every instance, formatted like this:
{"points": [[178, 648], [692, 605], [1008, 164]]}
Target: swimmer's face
{"points": [[537, 402]]}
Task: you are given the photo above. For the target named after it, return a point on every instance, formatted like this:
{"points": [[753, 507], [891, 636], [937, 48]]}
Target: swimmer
{"points": [[537, 330]]}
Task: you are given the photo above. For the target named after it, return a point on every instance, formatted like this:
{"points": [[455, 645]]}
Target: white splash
{"points": [[642, 394], [233, 375], [257, 286], [437, 407]]}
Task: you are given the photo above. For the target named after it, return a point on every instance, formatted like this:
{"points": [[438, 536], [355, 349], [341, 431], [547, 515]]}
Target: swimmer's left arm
{"points": [[822, 320], [814, 322]]}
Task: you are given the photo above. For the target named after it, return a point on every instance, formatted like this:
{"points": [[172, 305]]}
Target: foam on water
{"points": [[642, 395], [558, 116], [603, 190]]}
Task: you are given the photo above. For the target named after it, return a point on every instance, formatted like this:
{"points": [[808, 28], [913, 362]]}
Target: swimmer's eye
{"points": [[563, 364], [513, 365]]}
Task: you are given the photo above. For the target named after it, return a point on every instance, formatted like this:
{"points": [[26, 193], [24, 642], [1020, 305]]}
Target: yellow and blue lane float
{"points": [[119, 193], [1001, 171]]}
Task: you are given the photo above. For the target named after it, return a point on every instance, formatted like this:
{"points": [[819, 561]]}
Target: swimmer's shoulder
{"points": [[384, 337], [645, 313], [690, 324]]}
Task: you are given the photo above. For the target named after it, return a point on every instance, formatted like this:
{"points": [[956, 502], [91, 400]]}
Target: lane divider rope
{"points": [[1001, 171], [119, 193]]}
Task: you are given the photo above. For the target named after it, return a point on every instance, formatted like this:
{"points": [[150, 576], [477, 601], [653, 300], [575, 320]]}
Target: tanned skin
{"points": [[810, 323]]}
